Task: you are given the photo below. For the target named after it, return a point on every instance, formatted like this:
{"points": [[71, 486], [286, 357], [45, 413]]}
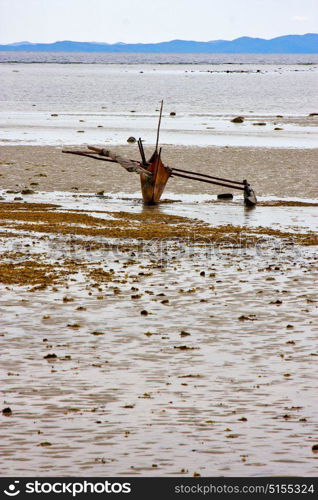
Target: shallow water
{"points": [[220, 380], [110, 102]]}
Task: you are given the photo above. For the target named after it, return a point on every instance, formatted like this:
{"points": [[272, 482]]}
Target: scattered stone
{"points": [[68, 299], [313, 114], [238, 119], [225, 196], [184, 347], [251, 317], [172, 113], [80, 131], [54, 114], [45, 443], [50, 356], [7, 412], [27, 191], [184, 334], [260, 124], [100, 193], [315, 448], [144, 312], [97, 333], [278, 128], [131, 139], [202, 273]]}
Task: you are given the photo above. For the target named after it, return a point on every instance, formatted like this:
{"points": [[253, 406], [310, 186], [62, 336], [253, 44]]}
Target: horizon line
{"points": [[158, 42]]}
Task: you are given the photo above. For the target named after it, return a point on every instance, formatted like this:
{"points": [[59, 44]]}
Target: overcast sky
{"points": [[153, 20]]}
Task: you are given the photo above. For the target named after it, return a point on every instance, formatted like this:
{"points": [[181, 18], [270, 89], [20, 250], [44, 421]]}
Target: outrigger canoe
{"points": [[154, 175]]}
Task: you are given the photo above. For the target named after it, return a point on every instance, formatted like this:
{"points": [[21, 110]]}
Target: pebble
{"points": [[238, 119], [27, 191], [225, 196], [7, 411]]}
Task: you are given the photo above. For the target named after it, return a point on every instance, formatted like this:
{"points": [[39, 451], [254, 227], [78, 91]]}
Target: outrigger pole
{"points": [[176, 174], [249, 195]]}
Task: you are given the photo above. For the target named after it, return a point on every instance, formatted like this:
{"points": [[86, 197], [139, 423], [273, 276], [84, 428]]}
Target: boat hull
{"points": [[153, 186]]}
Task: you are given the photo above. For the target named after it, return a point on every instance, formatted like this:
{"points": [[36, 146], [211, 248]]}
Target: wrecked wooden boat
{"points": [[153, 186], [154, 174]]}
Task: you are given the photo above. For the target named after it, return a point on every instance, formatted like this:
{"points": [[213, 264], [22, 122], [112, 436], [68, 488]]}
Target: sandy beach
{"points": [[272, 171], [167, 341], [172, 340]]}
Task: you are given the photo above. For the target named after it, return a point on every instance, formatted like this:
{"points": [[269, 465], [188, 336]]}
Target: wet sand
{"points": [[157, 342], [277, 172]]}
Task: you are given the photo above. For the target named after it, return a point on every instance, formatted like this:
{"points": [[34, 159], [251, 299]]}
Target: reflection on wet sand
{"points": [[157, 354]]}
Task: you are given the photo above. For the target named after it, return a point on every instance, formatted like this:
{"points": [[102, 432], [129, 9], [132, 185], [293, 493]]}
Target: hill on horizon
{"points": [[287, 44]]}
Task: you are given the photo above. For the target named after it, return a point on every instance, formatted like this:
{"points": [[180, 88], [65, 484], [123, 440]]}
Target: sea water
{"points": [[105, 98]]}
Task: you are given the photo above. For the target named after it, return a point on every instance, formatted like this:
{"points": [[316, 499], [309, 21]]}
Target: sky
{"points": [[145, 21]]}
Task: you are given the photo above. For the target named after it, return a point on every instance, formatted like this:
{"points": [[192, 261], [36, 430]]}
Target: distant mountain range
{"points": [[288, 44]]}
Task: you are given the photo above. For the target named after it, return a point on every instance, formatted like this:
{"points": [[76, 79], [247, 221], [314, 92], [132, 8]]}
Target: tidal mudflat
{"points": [[140, 341], [172, 340]]}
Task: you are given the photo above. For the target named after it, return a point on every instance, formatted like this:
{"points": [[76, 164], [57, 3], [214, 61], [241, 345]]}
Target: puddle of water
{"points": [[219, 380]]}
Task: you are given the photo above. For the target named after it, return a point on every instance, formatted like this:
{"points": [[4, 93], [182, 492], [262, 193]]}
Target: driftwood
{"points": [[107, 155]]}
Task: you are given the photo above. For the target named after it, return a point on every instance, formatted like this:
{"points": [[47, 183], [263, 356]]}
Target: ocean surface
{"points": [[130, 58], [109, 97]]}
